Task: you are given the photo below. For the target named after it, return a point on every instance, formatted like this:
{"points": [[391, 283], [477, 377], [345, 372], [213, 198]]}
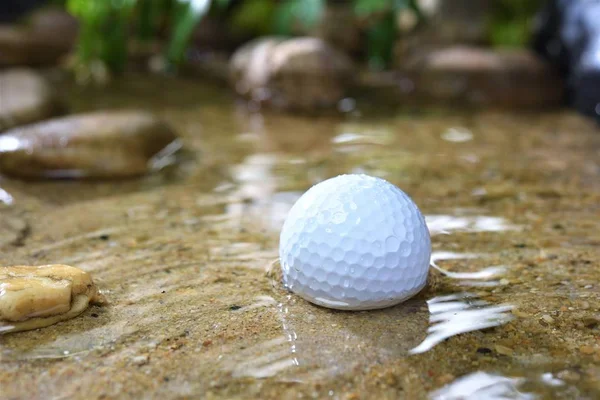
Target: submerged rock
{"points": [[303, 74], [35, 297], [25, 97], [96, 145], [482, 77]]}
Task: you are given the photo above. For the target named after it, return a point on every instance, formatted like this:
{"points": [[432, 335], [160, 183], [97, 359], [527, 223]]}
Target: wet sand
{"points": [[181, 257]]}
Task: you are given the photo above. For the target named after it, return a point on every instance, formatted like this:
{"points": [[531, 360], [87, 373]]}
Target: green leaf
{"points": [[254, 16], [368, 7], [381, 38], [149, 14], [221, 4], [293, 14], [187, 15]]}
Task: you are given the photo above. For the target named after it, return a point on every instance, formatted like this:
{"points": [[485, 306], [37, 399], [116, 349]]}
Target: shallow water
{"points": [[182, 257]]}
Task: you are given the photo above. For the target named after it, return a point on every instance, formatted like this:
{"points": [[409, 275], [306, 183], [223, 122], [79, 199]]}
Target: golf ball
{"points": [[355, 242]]}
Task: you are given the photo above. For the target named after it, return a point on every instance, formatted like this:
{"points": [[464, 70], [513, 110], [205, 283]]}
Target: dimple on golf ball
{"points": [[355, 242]]}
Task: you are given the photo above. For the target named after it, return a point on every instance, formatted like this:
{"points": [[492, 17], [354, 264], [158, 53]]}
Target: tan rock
{"points": [[34, 297], [96, 145]]}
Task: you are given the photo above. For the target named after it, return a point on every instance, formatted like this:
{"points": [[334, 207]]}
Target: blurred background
{"points": [[439, 50]]}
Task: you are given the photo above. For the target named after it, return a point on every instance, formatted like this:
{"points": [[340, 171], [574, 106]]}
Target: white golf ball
{"points": [[355, 242]]}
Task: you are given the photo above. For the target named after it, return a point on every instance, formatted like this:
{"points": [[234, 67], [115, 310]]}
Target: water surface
{"points": [[182, 255]]}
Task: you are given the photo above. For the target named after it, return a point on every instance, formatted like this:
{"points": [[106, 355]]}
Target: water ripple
{"points": [[459, 313], [482, 386]]}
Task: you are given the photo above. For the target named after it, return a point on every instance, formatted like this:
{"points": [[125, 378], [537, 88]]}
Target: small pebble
{"points": [[505, 351], [585, 305], [548, 319], [139, 360]]}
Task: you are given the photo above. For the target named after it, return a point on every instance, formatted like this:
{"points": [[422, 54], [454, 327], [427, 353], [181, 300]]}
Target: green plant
{"points": [[511, 22], [107, 25], [187, 14], [103, 33], [297, 15]]}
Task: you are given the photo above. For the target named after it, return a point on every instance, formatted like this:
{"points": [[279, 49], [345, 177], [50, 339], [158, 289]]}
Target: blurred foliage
{"points": [[382, 27], [511, 22], [254, 16], [103, 34], [296, 16], [186, 15], [107, 25]]}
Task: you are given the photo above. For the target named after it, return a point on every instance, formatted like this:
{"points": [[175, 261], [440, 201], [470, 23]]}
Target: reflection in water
{"points": [[459, 313], [256, 195], [5, 197], [72, 344], [549, 379], [482, 386], [444, 224], [357, 135], [318, 343], [457, 135], [471, 278]]}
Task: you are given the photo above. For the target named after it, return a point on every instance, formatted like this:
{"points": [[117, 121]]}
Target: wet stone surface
{"points": [[34, 297], [96, 145], [181, 256]]}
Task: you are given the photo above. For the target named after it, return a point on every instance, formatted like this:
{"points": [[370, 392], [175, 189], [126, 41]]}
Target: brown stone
{"points": [[301, 74], [96, 145], [20, 46], [483, 77], [55, 26], [49, 35]]}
